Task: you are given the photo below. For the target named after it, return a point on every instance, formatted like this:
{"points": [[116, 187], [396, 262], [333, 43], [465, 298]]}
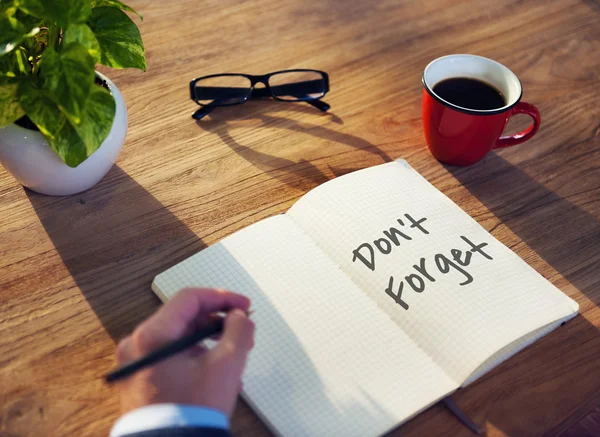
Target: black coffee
{"points": [[470, 93]]}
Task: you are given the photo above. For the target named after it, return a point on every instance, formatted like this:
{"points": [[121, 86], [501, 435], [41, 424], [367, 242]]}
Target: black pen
{"points": [[167, 351]]}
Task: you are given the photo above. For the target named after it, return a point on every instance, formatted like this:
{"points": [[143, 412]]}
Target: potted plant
{"points": [[63, 124]]}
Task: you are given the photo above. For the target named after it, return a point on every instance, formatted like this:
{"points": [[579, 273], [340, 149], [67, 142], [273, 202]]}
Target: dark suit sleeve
{"points": [[182, 432]]}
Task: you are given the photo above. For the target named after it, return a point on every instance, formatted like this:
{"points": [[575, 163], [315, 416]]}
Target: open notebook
{"points": [[375, 296]]}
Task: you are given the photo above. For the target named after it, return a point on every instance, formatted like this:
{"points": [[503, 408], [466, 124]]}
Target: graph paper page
{"points": [[460, 294], [326, 361]]}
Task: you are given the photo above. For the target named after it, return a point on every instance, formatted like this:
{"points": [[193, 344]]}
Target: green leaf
{"points": [[11, 108], [14, 64], [29, 21], [82, 34], [119, 38], [73, 143], [8, 7], [12, 32], [69, 77], [115, 4], [41, 109], [97, 119], [61, 12]]}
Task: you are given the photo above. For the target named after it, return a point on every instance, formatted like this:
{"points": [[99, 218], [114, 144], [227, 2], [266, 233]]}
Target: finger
{"points": [[205, 319], [189, 303], [216, 337], [177, 317], [124, 352], [211, 318], [238, 335], [196, 351]]}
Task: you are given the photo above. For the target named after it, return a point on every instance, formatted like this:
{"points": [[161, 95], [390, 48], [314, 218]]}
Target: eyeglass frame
{"points": [[262, 92]]}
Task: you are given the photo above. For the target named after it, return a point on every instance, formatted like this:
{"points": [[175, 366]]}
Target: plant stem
{"points": [[53, 34]]}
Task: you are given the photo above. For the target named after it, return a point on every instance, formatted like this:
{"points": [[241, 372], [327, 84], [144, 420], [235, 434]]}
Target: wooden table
{"points": [[76, 271]]}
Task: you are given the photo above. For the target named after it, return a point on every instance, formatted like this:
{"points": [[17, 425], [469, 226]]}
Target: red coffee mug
{"points": [[462, 136]]}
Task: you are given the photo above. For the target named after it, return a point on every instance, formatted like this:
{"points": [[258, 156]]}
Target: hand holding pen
{"points": [[190, 373]]}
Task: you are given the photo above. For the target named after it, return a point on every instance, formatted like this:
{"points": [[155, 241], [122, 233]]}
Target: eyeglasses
{"points": [[233, 89]]}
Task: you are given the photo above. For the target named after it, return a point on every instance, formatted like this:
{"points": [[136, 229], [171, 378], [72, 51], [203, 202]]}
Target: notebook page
{"points": [[387, 228], [326, 361], [511, 349]]}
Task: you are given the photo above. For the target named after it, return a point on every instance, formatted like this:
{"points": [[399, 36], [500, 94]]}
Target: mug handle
{"points": [[521, 137]]}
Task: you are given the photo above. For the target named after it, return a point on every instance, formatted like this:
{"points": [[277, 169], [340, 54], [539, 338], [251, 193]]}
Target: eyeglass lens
{"points": [[222, 90], [297, 85], [232, 89]]}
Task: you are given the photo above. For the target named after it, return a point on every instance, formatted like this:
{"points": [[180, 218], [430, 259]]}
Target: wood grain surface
{"points": [[75, 272]]}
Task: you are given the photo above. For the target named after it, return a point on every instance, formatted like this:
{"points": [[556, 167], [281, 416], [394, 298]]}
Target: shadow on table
{"points": [[114, 238], [544, 385], [566, 237], [563, 234], [301, 175]]}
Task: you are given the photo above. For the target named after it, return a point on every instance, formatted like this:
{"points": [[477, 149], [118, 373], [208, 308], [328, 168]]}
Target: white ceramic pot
{"points": [[28, 157]]}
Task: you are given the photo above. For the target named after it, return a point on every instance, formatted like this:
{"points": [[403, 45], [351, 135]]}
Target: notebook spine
{"points": [[461, 416]]}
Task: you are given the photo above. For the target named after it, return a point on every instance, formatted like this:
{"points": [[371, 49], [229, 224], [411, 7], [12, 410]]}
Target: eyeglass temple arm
{"points": [[202, 112], [319, 104], [259, 93]]}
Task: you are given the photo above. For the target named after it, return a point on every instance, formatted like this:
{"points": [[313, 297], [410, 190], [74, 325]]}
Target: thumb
{"points": [[238, 335]]}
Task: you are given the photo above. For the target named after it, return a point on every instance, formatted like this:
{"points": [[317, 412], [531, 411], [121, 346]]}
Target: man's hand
{"points": [[198, 376]]}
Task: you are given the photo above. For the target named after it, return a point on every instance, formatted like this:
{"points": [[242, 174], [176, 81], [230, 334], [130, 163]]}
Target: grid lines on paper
{"points": [[327, 361], [458, 326]]}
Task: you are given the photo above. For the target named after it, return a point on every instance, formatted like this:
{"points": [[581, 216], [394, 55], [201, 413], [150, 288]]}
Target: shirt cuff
{"points": [[168, 416]]}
